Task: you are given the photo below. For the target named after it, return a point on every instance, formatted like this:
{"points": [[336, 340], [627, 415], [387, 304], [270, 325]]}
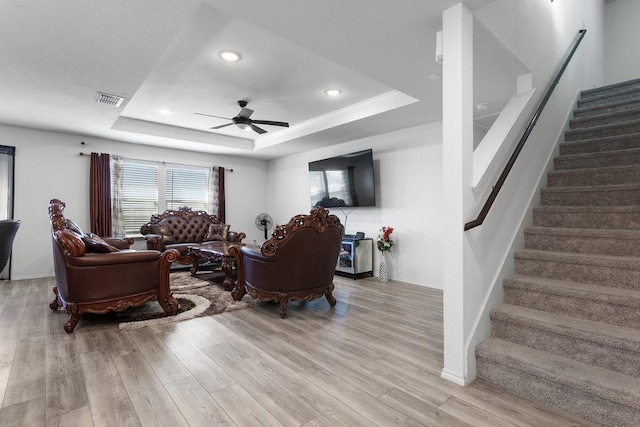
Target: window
{"points": [[139, 194], [187, 187], [149, 188]]}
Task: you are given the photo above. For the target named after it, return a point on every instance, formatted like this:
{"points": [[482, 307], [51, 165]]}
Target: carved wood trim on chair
{"points": [[319, 219]]}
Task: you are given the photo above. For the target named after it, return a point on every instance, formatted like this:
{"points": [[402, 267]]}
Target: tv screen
{"points": [[343, 181]]}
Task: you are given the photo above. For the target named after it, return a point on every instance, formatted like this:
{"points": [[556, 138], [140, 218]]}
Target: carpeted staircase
{"points": [[568, 332]]}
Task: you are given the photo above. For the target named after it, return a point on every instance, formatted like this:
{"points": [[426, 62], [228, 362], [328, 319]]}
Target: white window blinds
{"points": [[148, 188], [139, 195], [187, 187]]}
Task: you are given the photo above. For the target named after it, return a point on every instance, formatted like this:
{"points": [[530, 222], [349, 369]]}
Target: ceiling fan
{"points": [[243, 121]]}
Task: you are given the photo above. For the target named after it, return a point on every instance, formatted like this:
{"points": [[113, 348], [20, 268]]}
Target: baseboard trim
{"points": [[456, 379]]}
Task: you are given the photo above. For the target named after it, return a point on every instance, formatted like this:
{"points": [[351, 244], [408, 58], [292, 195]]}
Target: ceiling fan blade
{"points": [[272, 123], [209, 115], [245, 112], [257, 129], [222, 126]]}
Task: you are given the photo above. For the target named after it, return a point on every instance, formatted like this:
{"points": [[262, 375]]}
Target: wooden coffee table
{"points": [[215, 252]]}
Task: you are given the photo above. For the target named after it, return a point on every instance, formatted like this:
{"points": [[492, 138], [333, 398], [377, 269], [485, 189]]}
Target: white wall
{"points": [[539, 33], [622, 32], [48, 165], [408, 173]]}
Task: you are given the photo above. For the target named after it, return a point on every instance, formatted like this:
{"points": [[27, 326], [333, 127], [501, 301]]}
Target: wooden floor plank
{"points": [[198, 407], [27, 414], [66, 390], [27, 378], [108, 399], [285, 407], [162, 360], [80, 417], [243, 409], [151, 401], [211, 376]]}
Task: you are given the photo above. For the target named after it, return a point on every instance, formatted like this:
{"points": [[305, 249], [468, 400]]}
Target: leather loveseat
{"points": [[181, 228]]}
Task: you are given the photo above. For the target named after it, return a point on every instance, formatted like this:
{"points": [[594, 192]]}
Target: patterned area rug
{"points": [[198, 296]]}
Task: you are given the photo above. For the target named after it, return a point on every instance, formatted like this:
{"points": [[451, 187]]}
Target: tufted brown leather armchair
{"points": [[181, 228], [297, 263], [111, 280]]}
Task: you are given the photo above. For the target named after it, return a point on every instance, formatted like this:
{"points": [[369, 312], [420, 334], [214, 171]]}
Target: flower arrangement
{"points": [[385, 242]]}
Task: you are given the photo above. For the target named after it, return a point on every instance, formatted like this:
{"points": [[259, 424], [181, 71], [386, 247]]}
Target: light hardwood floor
{"points": [[374, 359]]}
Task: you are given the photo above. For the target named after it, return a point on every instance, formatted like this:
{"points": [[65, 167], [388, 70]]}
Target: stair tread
{"points": [[589, 97], [604, 187], [598, 332], [580, 156], [579, 171], [608, 114], [588, 93], [626, 262], [607, 384], [605, 127], [584, 232], [592, 209], [565, 287], [599, 140], [611, 104]]}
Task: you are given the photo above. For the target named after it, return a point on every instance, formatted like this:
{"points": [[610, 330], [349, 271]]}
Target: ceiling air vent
{"points": [[105, 98]]}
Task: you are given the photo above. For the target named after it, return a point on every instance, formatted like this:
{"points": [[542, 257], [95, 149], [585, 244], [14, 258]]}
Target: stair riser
{"points": [[587, 122], [595, 220], [604, 109], [577, 402], [583, 244], [600, 145], [589, 102], [583, 350], [590, 133], [574, 178], [591, 198], [578, 304], [620, 158], [595, 274]]}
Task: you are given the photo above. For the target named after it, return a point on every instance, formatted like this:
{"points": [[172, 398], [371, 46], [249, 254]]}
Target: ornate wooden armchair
{"points": [[107, 280], [297, 263]]}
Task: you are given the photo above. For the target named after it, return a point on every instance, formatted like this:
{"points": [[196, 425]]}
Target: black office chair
{"points": [[8, 230]]}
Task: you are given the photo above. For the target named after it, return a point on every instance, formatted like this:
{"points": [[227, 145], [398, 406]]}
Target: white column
{"points": [[457, 124]]}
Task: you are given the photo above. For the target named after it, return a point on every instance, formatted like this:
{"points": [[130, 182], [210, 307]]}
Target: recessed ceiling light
{"points": [[482, 106], [229, 55], [333, 92], [164, 112]]}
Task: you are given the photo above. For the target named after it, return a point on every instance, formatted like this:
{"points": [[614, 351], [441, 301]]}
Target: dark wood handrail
{"points": [[503, 176]]}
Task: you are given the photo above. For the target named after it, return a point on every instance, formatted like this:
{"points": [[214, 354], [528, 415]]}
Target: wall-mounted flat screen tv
{"points": [[343, 181]]}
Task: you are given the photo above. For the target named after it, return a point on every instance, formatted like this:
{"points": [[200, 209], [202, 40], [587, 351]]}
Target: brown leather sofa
{"points": [[297, 263], [92, 277], [179, 229]]}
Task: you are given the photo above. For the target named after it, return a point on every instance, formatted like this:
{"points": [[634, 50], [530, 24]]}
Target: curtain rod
{"points": [[82, 154]]}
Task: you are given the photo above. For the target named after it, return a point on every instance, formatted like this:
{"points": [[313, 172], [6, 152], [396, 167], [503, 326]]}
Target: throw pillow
{"points": [[72, 226], [95, 243], [217, 232], [162, 230]]}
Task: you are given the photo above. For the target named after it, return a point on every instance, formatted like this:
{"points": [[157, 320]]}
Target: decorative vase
{"points": [[384, 267]]}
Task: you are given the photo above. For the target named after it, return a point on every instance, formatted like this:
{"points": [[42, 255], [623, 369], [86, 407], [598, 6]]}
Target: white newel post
{"points": [[457, 123]]}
